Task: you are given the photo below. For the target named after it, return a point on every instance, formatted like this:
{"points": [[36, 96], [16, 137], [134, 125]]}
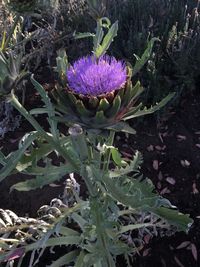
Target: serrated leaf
{"points": [[36, 154], [47, 175], [49, 138], [107, 40], [180, 220], [144, 58], [121, 127], [48, 106], [15, 157], [98, 36], [92, 258], [132, 111], [142, 196], [80, 260], [132, 227], [63, 230], [66, 259], [55, 241], [79, 220], [133, 166], [147, 111]]}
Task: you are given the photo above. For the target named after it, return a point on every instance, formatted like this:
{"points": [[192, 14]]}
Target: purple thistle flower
{"points": [[92, 77]]}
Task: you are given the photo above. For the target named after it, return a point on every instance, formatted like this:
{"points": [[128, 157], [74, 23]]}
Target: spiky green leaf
{"points": [[66, 259], [147, 111], [145, 56], [107, 40], [174, 217]]}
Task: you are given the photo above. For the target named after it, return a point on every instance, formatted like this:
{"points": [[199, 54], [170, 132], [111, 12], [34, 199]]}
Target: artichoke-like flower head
{"points": [[95, 77], [98, 93]]}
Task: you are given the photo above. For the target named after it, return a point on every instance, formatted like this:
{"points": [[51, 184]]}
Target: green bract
{"points": [[98, 111]]}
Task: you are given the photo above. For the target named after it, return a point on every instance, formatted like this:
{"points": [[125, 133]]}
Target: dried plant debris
{"points": [[8, 121]]}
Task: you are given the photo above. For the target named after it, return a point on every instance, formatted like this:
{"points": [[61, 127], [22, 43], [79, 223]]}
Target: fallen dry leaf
{"points": [[194, 251], [185, 163], [15, 254], [160, 176], [165, 134], [184, 244], [146, 252], [194, 188], [178, 262], [147, 238], [181, 137], [155, 164], [160, 148], [159, 186], [126, 154], [160, 136], [150, 148], [165, 191], [170, 180]]}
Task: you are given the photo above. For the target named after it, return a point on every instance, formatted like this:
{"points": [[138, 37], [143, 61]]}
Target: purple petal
{"points": [[93, 77]]}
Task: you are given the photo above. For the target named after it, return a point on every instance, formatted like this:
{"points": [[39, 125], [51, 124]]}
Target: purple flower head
{"points": [[92, 77]]}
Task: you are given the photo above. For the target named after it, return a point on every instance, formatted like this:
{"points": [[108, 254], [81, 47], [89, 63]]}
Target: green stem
{"points": [[90, 186], [84, 152], [11, 32], [99, 220], [108, 154]]}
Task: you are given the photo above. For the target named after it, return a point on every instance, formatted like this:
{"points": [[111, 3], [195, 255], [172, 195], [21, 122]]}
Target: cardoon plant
{"points": [[97, 92]]}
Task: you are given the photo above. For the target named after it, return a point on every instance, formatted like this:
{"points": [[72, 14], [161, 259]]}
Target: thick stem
{"points": [[83, 150], [99, 220], [108, 154]]}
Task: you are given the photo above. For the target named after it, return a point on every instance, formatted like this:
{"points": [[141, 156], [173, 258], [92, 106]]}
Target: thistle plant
{"points": [[99, 229], [94, 93]]}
